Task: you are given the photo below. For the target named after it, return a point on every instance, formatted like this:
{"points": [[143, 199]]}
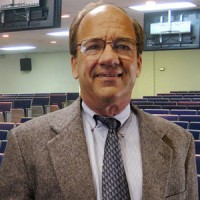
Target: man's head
{"points": [[106, 47], [91, 6]]}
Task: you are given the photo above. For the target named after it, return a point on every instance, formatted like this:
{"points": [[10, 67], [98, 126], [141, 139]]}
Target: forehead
{"points": [[106, 22]]}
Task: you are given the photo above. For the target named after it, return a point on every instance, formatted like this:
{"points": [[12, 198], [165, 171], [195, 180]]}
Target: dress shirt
{"points": [[129, 139]]}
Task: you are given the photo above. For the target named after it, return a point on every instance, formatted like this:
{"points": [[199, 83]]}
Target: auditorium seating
{"points": [[16, 115], [3, 144], [58, 99], [194, 125], [195, 133], [6, 125], [3, 134], [33, 105], [2, 117], [183, 124], [1, 157], [25, 119]]}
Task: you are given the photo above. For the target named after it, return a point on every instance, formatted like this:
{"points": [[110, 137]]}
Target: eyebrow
{"points": [[118, 38]]}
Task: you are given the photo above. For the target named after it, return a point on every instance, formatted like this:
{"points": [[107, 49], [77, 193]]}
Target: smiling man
{"points": [[106, 62], [101, 146]]}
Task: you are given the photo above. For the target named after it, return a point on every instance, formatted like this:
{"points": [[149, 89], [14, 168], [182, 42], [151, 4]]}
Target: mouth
{"points": [[108, 75]]}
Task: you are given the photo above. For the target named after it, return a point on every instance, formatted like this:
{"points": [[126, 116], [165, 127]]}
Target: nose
{"points": [[109, 56]]}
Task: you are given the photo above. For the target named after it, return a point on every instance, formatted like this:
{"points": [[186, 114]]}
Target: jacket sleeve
{"points": [[191, 173], [14, 180]]}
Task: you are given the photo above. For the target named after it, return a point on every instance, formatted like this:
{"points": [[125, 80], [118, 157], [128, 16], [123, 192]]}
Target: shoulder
{"points": [[48, 124], [162, 128]]}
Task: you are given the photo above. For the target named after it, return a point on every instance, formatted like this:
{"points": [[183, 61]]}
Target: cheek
{"points": [[87, 66]]}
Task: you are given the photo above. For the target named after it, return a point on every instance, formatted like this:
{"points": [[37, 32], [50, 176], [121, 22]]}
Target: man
{"points": [[61, 155]]}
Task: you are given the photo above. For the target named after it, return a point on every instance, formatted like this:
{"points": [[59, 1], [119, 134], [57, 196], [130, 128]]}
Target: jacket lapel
{"points": [[69, 156], [156, 158]]}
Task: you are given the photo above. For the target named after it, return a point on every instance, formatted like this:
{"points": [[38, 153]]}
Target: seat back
{"points": [[197, 146], [6, 125], [189, 118], [5, 106], [194, 125], [40, 101], [2, 117], [4, 134], [3, 144], [37, 111], [17, 114], [25, 119], [183, 112], [57, 99], [195, 133], [183, 124]]}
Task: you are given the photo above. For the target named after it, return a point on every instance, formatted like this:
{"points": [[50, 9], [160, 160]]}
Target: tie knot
{"points": [[111, 123]]}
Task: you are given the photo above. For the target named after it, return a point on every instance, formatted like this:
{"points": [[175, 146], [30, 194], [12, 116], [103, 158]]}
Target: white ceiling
{"points": [[39, 38]]}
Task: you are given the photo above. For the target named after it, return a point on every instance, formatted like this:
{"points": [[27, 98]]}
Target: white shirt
{"points": [[130, 145]]}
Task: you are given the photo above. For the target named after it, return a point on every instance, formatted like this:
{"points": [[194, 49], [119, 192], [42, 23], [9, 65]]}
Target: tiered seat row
{"points": [[15, 106], [5, 128]]}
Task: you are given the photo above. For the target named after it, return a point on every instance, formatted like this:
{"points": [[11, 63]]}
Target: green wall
{"points": [[51, 72], [182, 72]]}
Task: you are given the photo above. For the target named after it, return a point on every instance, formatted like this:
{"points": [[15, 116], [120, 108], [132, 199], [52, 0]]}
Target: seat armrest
{"points": [[8, 116], [46, 109], [28, 112]]}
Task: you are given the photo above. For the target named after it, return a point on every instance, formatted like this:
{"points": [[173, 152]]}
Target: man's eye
{"points": [[93, 47], [122, 47]]}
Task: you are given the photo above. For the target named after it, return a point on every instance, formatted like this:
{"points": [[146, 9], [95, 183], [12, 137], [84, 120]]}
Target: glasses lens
{"points": [[92, 46], [124, 46]]}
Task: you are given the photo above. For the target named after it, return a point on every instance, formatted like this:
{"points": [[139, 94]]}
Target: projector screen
{"points": [[20, 15], [172, 30]]}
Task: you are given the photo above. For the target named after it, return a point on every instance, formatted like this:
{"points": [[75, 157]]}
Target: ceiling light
{"points": [[16, 48], [164, 6], [53, 42], [5, 36], [65, 16], [62, 33]]}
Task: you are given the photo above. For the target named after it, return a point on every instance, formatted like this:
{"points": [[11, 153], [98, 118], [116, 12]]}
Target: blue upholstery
{"points": [[183, 124], [58, 99], [190, 118], [183, 112], [195, 133], [197, 146], [194, 125], [6, 125], [40, 101], [198, 163], [157, 111], [25, 119], [4, 134], [3, 145]]}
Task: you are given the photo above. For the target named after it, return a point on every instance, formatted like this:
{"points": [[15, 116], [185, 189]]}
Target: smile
{"points": [[109, 75]]}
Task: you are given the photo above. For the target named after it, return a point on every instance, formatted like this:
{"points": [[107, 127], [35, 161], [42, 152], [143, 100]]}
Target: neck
{"points": [[107, 109]]}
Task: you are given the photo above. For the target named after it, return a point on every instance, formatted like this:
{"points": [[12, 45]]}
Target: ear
{"points": [[74, 67], [139, 65]]}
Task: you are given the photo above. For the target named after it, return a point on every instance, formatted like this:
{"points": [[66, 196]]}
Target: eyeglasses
{"points": [[95, 46]]}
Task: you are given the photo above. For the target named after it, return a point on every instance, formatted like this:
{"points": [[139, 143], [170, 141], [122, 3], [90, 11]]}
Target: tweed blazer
{"points": [[47, 159]]}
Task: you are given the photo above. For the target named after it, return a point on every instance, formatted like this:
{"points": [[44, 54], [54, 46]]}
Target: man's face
{"points": [[107, 76]]}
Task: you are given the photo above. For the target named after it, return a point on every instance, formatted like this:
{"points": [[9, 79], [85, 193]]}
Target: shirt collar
{"points": [[122, 117]]}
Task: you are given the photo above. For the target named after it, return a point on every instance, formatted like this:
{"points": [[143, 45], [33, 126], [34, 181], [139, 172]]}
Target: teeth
{"points": [[110, 75]]}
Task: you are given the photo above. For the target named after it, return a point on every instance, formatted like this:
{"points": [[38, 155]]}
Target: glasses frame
{"points": [[107, 42]]}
